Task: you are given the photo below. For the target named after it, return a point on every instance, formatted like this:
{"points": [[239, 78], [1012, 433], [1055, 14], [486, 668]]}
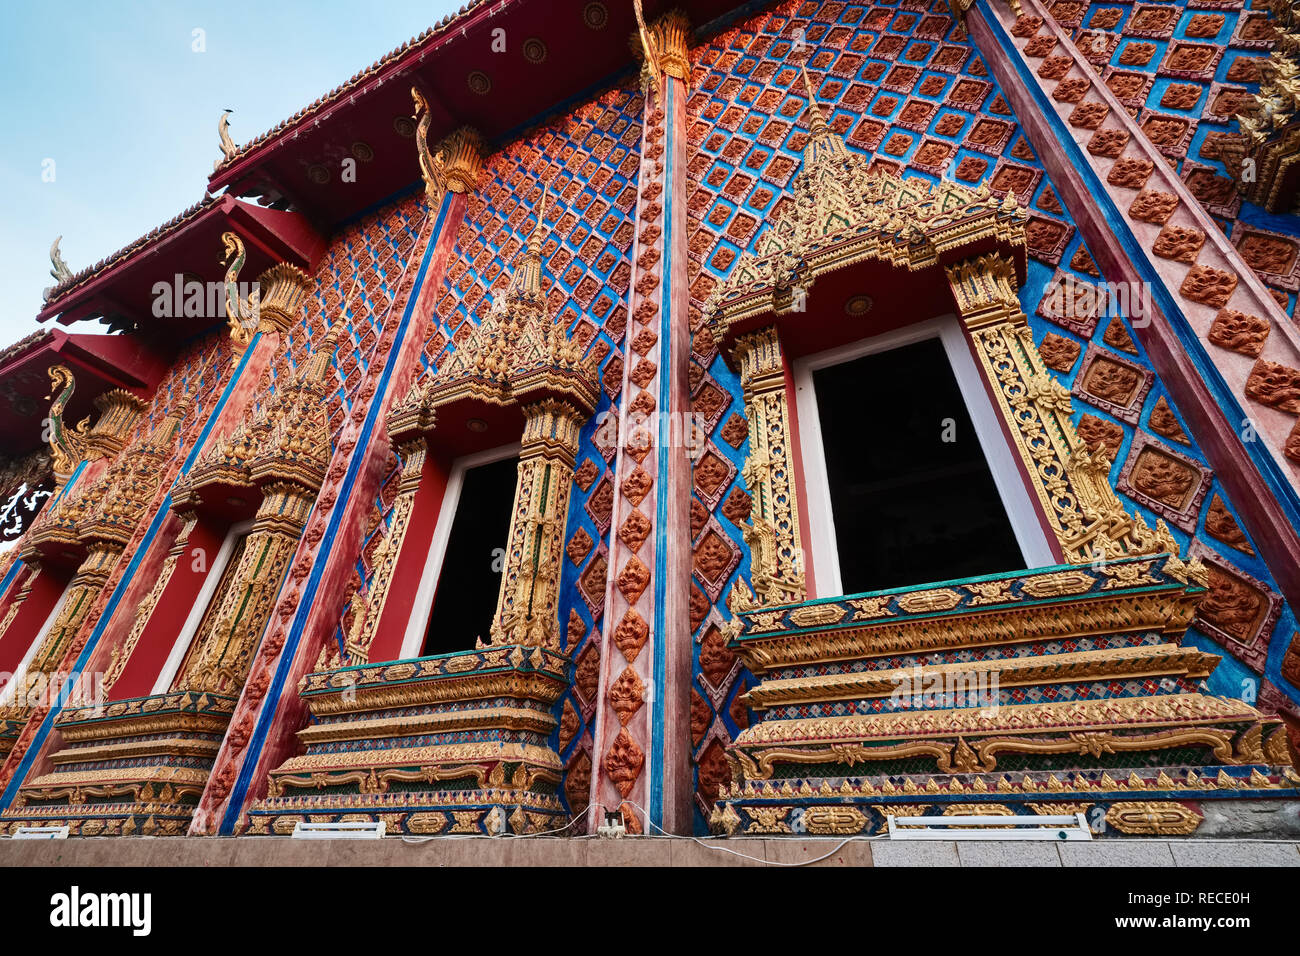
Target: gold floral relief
{"points": [[1071, 482], [772, 533]]}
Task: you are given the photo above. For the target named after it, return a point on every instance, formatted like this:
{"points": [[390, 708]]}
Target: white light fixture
{"points": [[351, 830]]}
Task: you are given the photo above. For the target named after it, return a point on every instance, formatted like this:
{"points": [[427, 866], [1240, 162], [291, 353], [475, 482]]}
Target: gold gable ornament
{"points": [[119, 410], [457, 163]]}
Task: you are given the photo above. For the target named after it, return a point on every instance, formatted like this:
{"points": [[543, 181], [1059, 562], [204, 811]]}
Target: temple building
{"points": [[755, 418]]}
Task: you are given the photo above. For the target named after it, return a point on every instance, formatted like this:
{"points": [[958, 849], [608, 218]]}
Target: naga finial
{"points": [[228, 148], [648, 47], [60, 272], [431, 164], [241, 314], [67, 448]]}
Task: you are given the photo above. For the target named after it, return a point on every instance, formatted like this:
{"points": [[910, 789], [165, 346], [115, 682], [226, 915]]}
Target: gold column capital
{"points": [[672, 36], [462, 159], [281, 290], [985, 290], [663, 46], [759, 356], [528, 604]]}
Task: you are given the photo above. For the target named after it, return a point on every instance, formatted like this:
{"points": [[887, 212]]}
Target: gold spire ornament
{"points": [[515, 342]]}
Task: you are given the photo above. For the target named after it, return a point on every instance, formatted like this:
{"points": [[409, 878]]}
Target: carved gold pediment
{"points": [[841, 213], [287, 439], [516, 353]]}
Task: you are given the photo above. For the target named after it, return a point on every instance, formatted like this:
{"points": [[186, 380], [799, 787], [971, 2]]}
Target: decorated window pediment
{"points": [[516, 354], [961, 251], [842, 213]]}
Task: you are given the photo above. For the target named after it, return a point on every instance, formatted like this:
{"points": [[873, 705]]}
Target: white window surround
{"points": [[10, 689], [200, 607], [823, 578], [416, 626]]}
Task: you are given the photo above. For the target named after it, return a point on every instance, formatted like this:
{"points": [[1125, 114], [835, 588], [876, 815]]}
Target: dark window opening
{"points": [[912, 496], [466, 596]]}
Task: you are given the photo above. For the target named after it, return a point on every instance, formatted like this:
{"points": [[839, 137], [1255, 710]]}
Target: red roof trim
{"points": [[381, 71]]}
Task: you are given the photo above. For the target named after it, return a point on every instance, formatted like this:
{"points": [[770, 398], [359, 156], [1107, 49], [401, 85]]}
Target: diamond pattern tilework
{"points": [[1188, 85]]}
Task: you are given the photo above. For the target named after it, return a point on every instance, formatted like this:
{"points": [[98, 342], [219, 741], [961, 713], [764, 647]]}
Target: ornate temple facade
{"points": [[742, 418]]}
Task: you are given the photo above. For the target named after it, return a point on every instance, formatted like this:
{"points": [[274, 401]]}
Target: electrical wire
{"points": [[722, 849]]}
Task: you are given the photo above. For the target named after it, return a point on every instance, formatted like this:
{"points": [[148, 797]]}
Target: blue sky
{"points": [[114, 93]]}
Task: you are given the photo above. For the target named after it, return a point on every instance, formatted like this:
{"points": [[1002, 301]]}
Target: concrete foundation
{"points": [[638, 851]]}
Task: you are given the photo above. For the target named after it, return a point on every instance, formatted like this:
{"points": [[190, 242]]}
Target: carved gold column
{"points": [[82, 591], [777, 565], [290, 449], [226, 651], [528, 604], [1072, 483]]}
